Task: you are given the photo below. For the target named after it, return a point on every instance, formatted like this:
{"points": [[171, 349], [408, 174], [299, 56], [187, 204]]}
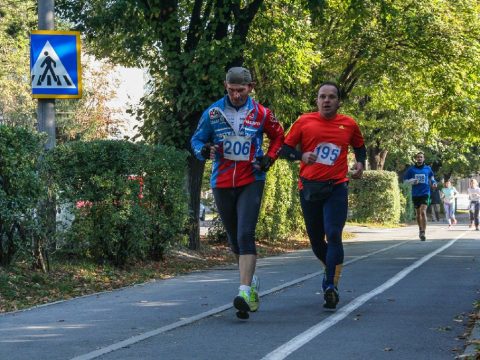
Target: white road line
{"points": [[134, 339], [297, 342], [149, 334], [312, 275]]}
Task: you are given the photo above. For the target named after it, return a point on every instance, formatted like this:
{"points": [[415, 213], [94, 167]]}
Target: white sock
{"points": [[245, 288]]}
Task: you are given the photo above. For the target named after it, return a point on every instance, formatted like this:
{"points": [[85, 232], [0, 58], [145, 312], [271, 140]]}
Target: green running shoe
{"points": [[254, 301], [255, 283], [241, 301]]}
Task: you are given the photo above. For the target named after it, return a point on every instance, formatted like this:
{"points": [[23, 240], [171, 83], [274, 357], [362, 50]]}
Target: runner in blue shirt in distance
{"points": [[421, 177]]}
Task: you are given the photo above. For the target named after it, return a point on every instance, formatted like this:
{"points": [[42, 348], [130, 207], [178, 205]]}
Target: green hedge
{"points": [[21, 190], [280, 214], [375, 198], [407, 213], [120, 223], [127, 199]]}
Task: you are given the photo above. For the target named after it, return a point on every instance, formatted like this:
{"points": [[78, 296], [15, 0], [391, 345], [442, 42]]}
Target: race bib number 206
{"points": [[237, 148], [327, 153]]}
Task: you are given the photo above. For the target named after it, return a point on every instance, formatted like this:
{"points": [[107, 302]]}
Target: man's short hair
{"points": [[239, 76], [331, 83]]}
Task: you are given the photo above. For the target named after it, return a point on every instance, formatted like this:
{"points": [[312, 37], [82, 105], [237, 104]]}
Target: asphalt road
{"points": [[399, 299]]}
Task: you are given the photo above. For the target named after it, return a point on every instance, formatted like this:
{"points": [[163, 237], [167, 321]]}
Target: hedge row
{"points": [[21, 189], [280, 214], [376, 198], [125, 197], [120, 201], [123, 201]]}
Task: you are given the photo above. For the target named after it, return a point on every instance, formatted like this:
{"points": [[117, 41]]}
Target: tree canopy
{"points": [[186, 46], [408, 70], [402, 65], [17, 18], [88, 118]]}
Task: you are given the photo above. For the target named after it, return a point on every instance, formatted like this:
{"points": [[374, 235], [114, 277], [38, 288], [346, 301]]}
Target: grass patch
{"points": [[376, 225], [21, 287]]}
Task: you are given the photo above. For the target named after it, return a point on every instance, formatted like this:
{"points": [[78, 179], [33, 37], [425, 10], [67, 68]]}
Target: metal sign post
{"points": [[46, 107]]}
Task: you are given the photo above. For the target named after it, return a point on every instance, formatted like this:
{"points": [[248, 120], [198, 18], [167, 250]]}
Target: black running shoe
{"points": [[422, 236], [331, 298]]}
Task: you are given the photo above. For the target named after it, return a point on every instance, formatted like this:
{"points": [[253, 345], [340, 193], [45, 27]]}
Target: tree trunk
{"points": [[195, 177], [39, 262], [40, 242], [376, 157]]}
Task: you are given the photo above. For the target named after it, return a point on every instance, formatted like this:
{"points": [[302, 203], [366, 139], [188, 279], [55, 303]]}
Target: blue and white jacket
{"points": [[238, 146]]}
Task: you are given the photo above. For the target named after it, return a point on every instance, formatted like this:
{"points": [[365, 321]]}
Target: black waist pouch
{"points": [[317, 190]]}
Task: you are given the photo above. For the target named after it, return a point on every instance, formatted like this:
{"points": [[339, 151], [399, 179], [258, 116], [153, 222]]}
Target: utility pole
{"points": [[46, 124], [46, 107]]}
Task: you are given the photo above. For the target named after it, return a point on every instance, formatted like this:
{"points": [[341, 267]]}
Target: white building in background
{"points": [[131, 88], [128, 86]]}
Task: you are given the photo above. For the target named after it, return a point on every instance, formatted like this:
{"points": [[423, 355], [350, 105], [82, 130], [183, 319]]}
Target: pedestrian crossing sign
{"points": [[55, 67]]}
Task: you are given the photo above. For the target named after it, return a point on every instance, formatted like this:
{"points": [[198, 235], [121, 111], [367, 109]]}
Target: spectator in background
{"points": [[449, 194], [474, 207], [435, 202]]}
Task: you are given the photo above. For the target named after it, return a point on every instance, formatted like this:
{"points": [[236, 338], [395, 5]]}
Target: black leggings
{"points": [[239, 209], [324, 221], [474, 211]]}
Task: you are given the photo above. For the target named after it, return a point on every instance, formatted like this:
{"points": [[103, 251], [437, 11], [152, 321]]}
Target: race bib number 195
{"points": [[237, 148], [327, 153]]}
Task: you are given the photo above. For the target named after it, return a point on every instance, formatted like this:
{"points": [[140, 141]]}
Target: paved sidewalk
{"points": [[105, 320], [472, 350]]}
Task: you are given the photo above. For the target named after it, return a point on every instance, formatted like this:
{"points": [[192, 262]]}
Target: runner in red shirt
{"points": [[321, 140]]}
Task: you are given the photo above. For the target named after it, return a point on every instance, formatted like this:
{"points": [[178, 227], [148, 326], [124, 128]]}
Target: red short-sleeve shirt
{"points": [[329, 139]]}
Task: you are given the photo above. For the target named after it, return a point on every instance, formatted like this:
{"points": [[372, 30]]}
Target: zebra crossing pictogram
{"points": [[55, 64], [49, 72]]}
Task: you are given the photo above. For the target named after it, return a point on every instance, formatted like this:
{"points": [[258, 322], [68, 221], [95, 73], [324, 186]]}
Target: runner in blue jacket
{"points": [[421, 177]]}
